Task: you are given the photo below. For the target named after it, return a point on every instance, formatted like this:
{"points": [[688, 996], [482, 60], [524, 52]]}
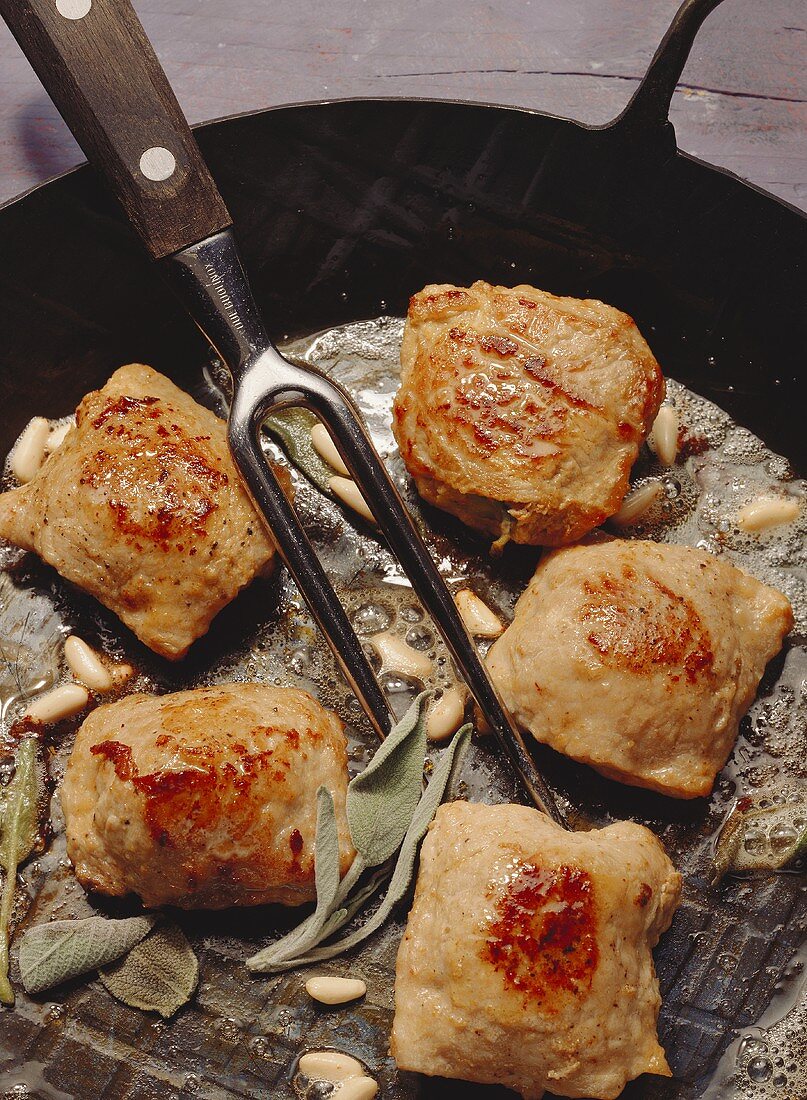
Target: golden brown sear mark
{"points": [[640, 634], [644, 895], [543, 939], [123, 406], [187, 797], [178, 476]]}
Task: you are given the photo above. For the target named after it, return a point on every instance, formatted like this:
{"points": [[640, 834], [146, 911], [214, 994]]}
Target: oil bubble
{"points": [[371, 618], [411, 614], [759, 1069], [419, 637]]}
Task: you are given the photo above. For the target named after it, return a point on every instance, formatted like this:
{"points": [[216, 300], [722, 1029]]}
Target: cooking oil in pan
{"points": [[733, 956]]}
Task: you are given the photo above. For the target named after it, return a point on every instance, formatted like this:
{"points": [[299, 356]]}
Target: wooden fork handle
{"points": [[99, 68]]}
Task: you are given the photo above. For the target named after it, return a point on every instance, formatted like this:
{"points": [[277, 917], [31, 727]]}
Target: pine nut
{"points": [[330, 1065], [121, 672], [29, 452], [767, 512], [56, 437], [445, 716], [637, 502], [326, 449], [86, 665], [664, 435], [349, 493], [62, 702], [479, 619], [357, 1088], [330, 990], [397, 656]]}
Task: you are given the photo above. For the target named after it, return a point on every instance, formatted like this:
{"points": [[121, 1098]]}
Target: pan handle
{"points": [[97, 65], [649, 108]]}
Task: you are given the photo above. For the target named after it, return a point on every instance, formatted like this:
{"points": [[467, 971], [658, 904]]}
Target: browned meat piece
{"points": [[526, 960], [204, 798], [522, 413], [640, 659], [142, 507]]}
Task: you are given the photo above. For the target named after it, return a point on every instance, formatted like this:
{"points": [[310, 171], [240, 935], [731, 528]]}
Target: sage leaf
{"points": [[760, 837], [380, 804], [158, 975], [19, 820], [355, 902], [19, 801], [405, 865], [326, 852], [326, 874], [292, 427], [382, 799], [53, 953]]}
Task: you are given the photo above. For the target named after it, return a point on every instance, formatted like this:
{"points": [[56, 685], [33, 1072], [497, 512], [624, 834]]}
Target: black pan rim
{"points": [[603, 128]]}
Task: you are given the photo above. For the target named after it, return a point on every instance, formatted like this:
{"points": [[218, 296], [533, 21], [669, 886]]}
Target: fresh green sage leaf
{"points": [[158, 975], [19, 820], [292, 427], [380, 804], [356, 901], [326, 851], [382, 799], [19, 801], [326, 872], [405, 865], [53, 953]]}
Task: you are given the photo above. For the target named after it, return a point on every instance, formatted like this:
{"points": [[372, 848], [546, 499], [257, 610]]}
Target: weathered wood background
{"points": [[742, 102]]}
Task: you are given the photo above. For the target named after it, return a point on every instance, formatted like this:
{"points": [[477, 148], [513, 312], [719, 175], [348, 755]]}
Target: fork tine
{"points": [[330, 402], [306, 569]]}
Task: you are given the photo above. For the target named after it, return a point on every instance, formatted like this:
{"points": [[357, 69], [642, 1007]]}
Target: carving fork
{"points": [[96, 62]]}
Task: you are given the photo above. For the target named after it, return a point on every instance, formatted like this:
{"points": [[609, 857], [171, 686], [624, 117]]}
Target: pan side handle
{"points": [[647, 114]]}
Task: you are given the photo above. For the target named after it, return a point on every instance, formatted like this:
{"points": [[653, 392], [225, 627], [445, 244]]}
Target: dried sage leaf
{"points": [[382, 799], [405, 865], [53, 953], [19, 821], [158, 975], [292, 427]]}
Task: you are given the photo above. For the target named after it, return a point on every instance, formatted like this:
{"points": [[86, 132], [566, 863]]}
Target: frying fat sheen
{"points": [[526, 959], [142, 507], [520, 412], [640, 659], [204, 798]]}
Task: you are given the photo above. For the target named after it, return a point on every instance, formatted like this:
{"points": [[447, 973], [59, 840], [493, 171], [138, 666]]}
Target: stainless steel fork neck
{"points": [[211, 281]]}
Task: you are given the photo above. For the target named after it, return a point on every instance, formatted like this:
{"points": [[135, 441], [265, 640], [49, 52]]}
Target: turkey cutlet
{"points": [[520, 412], [526, 959], [640, 659], [142, 507]]}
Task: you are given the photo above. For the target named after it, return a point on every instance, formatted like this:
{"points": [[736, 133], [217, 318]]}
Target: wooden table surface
{"points": [[742, 102]]}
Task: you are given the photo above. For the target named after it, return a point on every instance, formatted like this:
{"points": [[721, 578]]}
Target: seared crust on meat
{"points": [[204, 798], [142, 507], [526, 959], [640, 659], [520, 412]]}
